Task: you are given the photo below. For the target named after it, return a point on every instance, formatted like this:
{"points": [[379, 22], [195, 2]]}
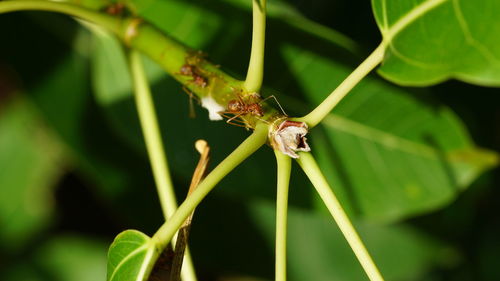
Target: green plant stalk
{"points": [[321, 111], [313, 172], [255, 72], [169, 53], [105, 21], [154, 146], [284, 167], [259, 136], [152, 136]]}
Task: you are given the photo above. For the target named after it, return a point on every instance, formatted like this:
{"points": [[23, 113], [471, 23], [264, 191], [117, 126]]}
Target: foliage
{"points": [[391, 153]]}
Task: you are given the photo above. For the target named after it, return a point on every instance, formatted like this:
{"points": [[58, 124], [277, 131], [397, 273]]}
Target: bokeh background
{"points": [[74, 172]]}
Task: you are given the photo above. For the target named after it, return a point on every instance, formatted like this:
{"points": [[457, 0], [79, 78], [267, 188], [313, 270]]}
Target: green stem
{"points": [[255, 72], [154, 147], [169, 53], [313, 172], [321, 111], [205, 79], [284, 167], [103, 20], [152, 136], [163, 236]]}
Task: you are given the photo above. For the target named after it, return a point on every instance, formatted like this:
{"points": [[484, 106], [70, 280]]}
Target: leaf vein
{"points": [[469, 38], [410, 17], [376, 136], [413, 61], [384, 16], [129, 256]]}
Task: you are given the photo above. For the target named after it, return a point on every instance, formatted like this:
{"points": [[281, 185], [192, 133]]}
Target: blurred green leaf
{"points": [[63, 95], [112, 85], [455, 39], [31, 163], [72, 258], [387, 154], [62, 258], [285, 12], [190, 21], [130, 257]]}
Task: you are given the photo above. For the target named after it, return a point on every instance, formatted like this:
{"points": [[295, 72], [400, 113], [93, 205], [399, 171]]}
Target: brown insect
{"points": [[116, 9], [198, 79], [186, 70], [239, 108], [191, 70]]}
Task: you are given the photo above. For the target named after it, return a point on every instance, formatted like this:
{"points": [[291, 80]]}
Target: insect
{"points": [[116, 9], [239, 108], [191, 70]]}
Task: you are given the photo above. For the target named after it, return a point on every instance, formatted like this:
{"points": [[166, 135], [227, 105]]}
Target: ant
{"points": [[117, 9], [197, 79], [239, 108], [191, 70]]}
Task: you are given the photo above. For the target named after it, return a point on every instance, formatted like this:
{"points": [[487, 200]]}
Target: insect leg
{"points": [[192, 113], [273, 97]]}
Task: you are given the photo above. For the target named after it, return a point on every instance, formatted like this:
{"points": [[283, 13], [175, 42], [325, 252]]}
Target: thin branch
{"points": [[163, 236], [206, 80], [313, 172], [255, 72], [152, 136], [154, 146], [103, 20], [284, 167], [319, 113]]}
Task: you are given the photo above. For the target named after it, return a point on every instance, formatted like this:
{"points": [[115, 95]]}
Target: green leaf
{"points": [[429, 41], [31, 163], [131, 256], [386, 154]]}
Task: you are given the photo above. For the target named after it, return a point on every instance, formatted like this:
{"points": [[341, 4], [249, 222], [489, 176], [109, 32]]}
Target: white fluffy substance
{"points": [[289, 138], [213, 108]]}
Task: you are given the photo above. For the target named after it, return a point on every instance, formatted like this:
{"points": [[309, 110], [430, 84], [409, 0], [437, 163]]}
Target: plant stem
{"points": [[163, 236], [313, 172], [284, 166], [255, 72], [154, 147], [314, 117], [171, 54], [152, 136], [103, 20]]}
